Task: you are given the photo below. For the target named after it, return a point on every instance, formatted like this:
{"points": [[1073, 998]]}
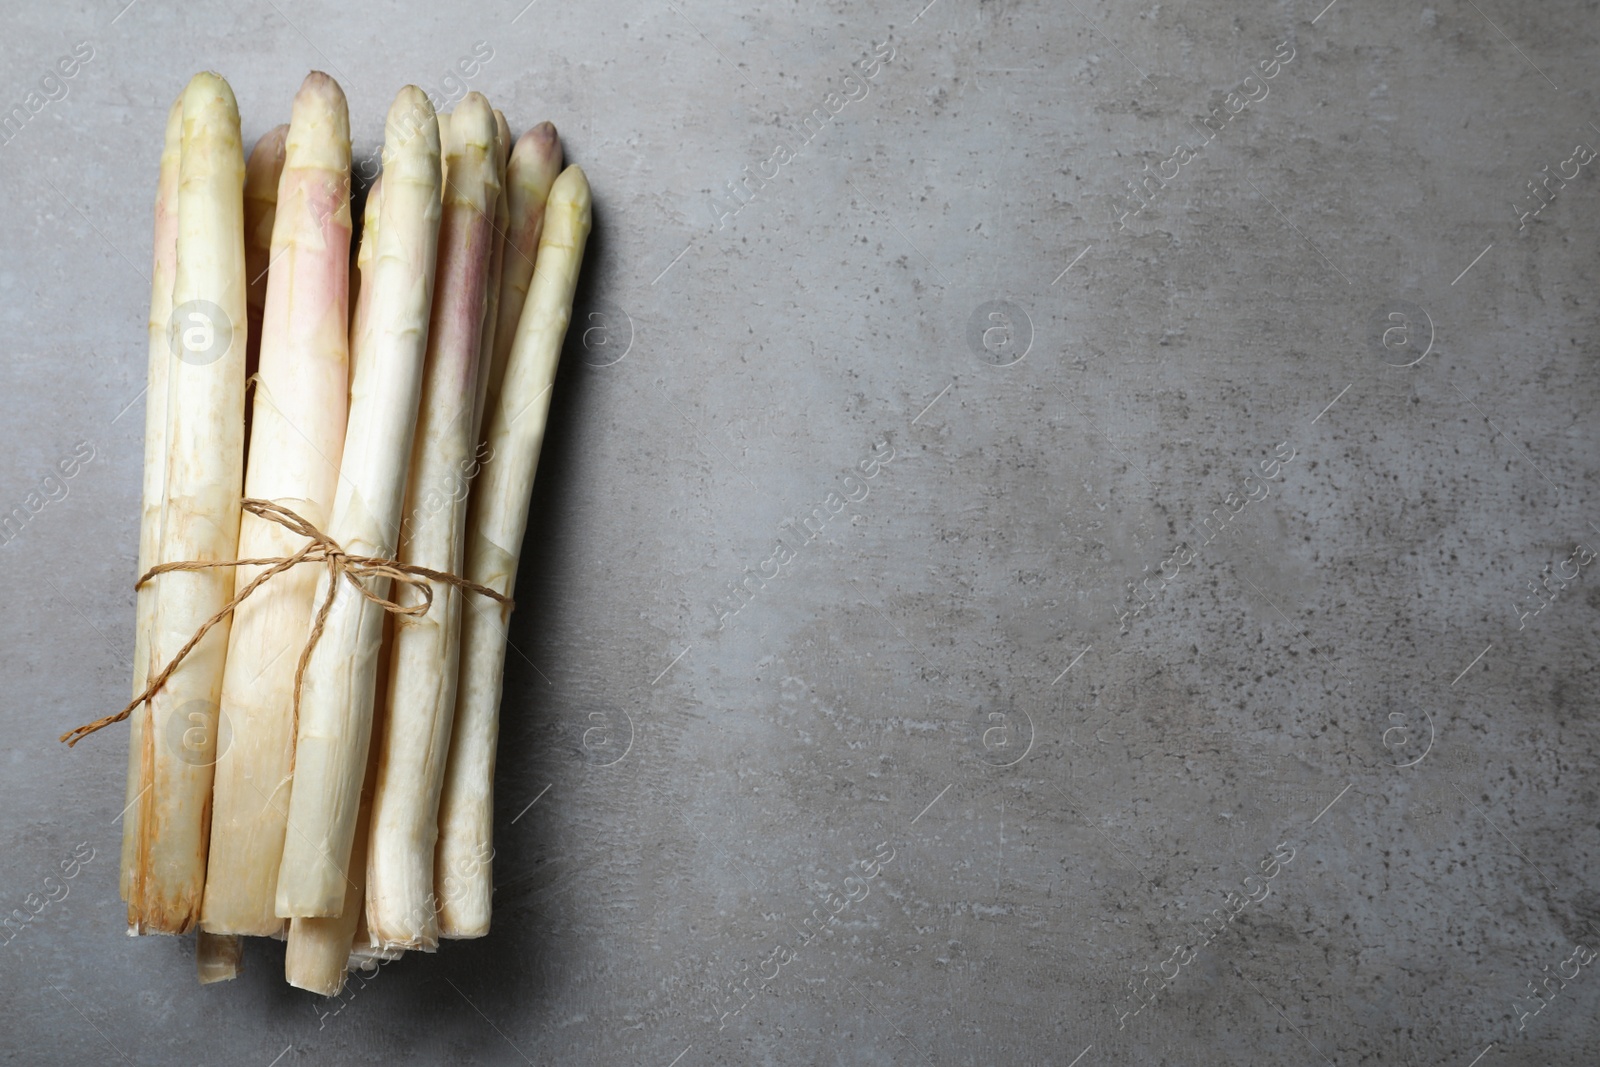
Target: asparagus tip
{"points": [[208, 83], [542, 135], [536, 159], [321, 82]]}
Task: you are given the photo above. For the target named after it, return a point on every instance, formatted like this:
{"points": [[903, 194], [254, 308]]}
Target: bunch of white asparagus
{"points": [[336, 793]]}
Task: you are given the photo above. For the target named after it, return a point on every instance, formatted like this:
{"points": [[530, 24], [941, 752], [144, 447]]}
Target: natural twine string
{"points": [[320, 548]]}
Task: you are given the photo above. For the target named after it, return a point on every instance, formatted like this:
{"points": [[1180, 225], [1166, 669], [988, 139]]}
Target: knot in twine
{"points": [[319, 548]]}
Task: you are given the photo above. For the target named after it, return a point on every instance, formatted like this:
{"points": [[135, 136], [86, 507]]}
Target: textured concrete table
{"points": [[1065, 537]]}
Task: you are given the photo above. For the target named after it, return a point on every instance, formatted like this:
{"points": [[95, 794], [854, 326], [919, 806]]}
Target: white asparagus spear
{"points": [[318, 953], [422, 681], [361, 278], [300, 403], [261, 173], [491, 312], [361, 954], [359, 941], [218, 957], [319, 950], [200, 517], [165, 262], [337, 696], [496, 524], [364, 955], [534, 164]]}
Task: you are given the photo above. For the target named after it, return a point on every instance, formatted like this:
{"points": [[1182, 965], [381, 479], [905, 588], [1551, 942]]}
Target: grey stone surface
{"points": [[948, 664]]}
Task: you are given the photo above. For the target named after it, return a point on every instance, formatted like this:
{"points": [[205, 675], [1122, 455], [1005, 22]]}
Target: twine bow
{"points": [[319, 548]]}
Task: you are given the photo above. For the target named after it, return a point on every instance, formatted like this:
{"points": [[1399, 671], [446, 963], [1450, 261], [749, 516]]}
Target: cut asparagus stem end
{"points": [[218, 957]]}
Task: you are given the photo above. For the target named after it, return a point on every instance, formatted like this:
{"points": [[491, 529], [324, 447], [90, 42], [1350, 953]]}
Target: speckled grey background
{"points": [[942, 679]]}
